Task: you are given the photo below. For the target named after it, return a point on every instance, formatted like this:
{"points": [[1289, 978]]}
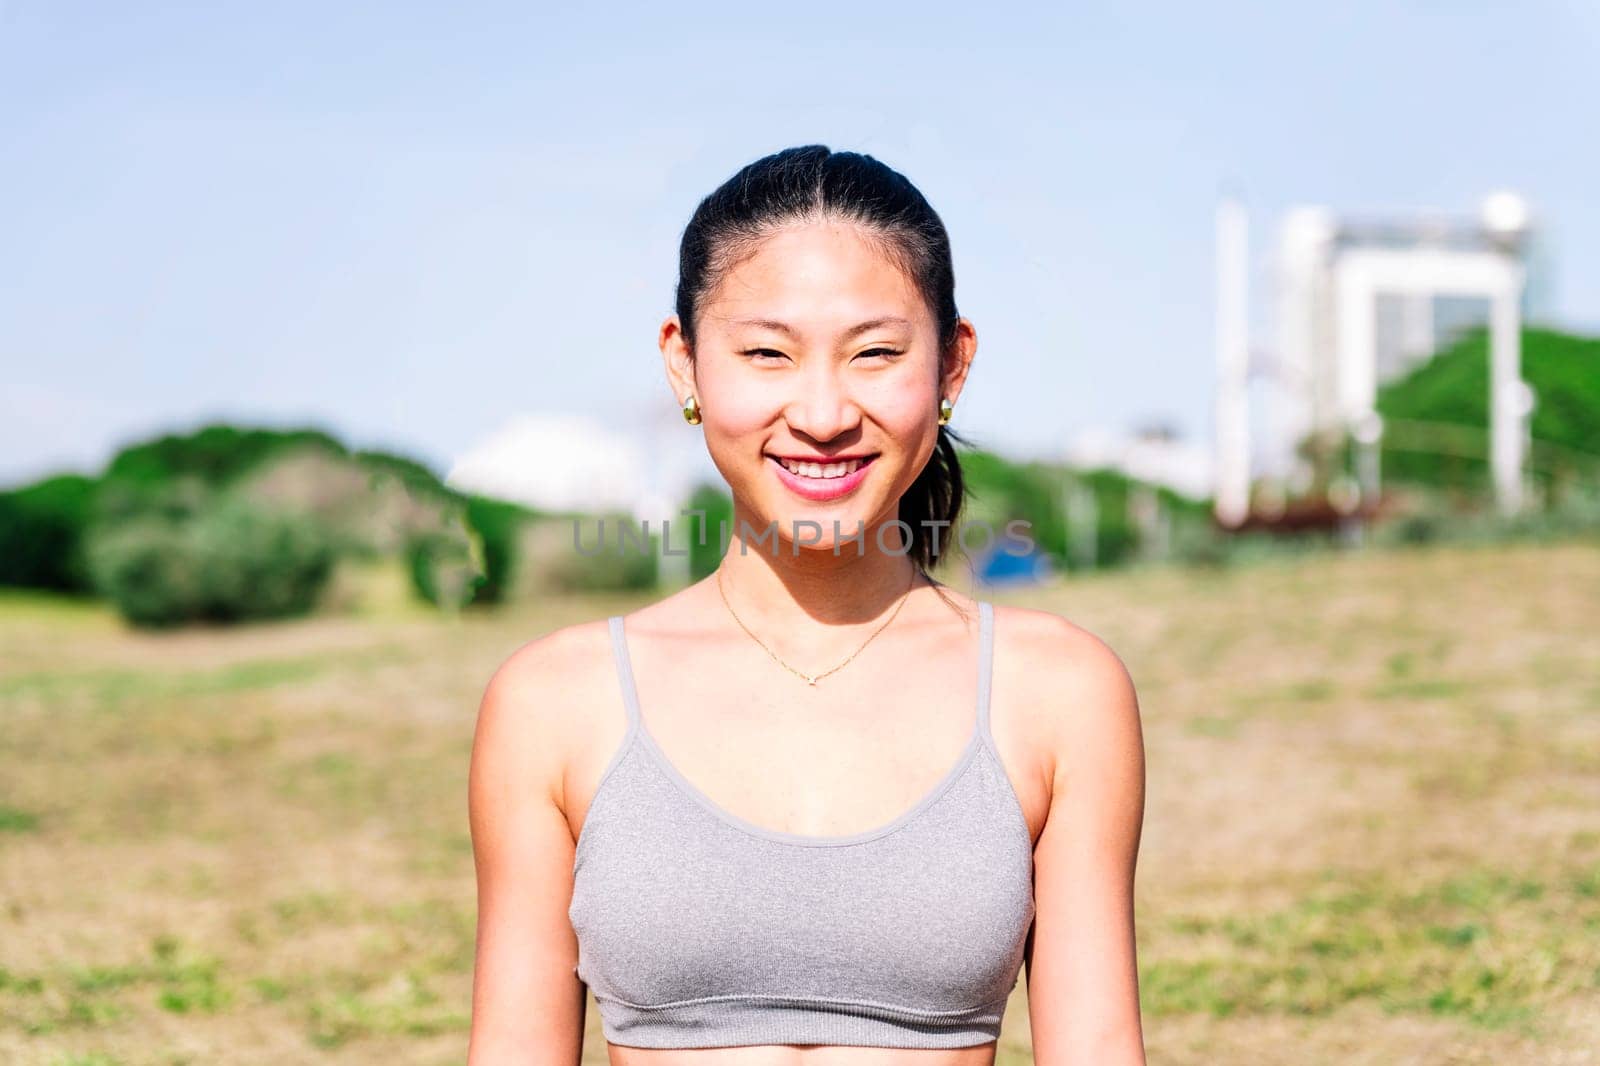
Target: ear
{"points": [[676, 357], [959, 361]]}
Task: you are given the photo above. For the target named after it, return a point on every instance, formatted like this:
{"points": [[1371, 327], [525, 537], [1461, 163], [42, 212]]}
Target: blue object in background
{"points": [[996, 567]]}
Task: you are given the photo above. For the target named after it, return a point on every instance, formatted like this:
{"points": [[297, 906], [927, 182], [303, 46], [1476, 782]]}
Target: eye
{"points": [[764, 352], [886, 352]]}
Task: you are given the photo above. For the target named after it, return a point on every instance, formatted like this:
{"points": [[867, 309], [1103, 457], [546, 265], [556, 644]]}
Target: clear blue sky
{"points": [[408, 223]]}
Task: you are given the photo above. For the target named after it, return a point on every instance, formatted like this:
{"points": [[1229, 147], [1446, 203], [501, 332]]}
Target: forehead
{"points": [[817, 276]]}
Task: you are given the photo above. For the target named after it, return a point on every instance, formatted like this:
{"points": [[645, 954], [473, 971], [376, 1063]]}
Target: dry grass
{"points": [[1372, 836]]}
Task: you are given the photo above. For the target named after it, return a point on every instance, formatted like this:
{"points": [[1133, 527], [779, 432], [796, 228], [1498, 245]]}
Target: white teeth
{"points": [[819, 470]]}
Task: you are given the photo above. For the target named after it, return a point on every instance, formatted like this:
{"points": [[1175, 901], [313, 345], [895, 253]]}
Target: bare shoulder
{"points": [[536, 708], [1071, 689]]}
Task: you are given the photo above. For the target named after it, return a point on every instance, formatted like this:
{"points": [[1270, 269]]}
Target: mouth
{"points": [[817, 479], [823, 469]]}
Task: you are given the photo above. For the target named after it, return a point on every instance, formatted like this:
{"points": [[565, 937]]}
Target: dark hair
{"points": [[815, 183]]}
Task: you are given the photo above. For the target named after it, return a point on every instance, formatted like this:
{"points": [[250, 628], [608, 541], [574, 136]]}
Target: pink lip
{"points": [[820, 490]]}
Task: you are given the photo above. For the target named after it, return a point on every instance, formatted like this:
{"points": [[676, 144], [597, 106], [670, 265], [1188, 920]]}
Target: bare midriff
{"points": [[807, 1055]]}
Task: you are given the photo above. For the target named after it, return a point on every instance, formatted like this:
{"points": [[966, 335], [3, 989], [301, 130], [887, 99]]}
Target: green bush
{"points": [[498, 525], [1433, 516], [1000, 490], [447, 566], [225, 522], [42, 529], [705, 535], [214, 454], [225, 560], [314, 501]]}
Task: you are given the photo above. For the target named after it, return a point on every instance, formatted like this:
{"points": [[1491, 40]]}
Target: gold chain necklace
{"points": [[812, 679]]}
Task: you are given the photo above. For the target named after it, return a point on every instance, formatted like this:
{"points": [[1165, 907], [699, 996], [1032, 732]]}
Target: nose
{"points": [[823, 408]]}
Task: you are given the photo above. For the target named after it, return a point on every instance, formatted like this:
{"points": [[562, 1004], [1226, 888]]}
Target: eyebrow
{"points": [[785, 328]]}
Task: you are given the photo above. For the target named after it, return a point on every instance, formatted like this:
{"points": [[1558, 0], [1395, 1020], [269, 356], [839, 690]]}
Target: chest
{"points": [[676, 902]]}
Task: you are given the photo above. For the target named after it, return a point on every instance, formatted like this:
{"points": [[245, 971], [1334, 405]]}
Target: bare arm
{"points": [[1083, 991], [527, 1004]]}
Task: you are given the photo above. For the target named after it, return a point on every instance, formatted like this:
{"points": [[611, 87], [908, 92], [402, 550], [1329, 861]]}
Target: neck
{"points": [[779, 590]]}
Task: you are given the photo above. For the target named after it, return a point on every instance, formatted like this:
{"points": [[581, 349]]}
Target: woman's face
{"points": [[818, 376]]}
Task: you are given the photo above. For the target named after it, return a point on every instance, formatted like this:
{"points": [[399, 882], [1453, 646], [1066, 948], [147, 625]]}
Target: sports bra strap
{"points": [[619, 652], [985, 661]]}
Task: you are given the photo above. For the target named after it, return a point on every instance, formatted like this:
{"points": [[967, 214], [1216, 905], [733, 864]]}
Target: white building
{"points": [[1358, 301]]}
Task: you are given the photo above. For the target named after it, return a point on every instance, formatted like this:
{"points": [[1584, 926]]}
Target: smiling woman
{"points": [[814, 808]]}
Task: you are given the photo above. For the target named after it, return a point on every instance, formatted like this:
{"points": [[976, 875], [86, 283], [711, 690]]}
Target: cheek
{"points": [[736, 410], [734, 402], [904, 413]]}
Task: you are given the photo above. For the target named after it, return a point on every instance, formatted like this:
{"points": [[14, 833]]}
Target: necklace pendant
{"points": [[811, 681]]}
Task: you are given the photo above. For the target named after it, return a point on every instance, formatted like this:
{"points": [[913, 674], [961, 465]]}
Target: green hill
{"points": [[1436, 418]]}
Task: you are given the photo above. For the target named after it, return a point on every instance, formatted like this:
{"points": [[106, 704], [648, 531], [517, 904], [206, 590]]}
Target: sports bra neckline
{"points": [[977, 740]]}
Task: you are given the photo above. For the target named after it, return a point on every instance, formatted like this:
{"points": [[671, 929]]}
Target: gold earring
{"points": [[945, 411], [691, 410]]}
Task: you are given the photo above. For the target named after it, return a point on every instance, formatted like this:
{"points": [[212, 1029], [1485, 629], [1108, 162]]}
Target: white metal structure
{"points": [[1231, 414], [1331, 275]]}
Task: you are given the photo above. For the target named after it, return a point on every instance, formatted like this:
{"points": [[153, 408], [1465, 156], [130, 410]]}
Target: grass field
{"points": [[1372, 835]]}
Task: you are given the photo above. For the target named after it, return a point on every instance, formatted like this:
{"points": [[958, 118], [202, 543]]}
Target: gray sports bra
{"points": [[697, 929]]}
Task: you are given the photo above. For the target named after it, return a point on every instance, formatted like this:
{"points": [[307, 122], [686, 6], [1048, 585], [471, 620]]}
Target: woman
{"points": [[816, 806]]}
